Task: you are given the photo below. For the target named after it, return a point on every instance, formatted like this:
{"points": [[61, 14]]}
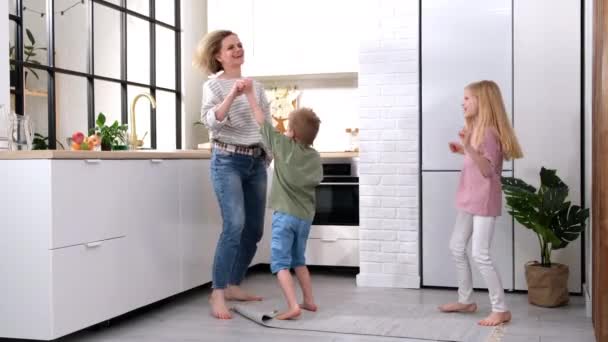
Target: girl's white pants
{"points": [[481, 229]]}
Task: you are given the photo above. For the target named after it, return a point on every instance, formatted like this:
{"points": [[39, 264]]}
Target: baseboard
{"points": [[388, 280]]}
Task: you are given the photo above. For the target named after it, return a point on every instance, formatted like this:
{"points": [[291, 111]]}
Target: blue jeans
{"points": [[239, 182], [288, 246]]}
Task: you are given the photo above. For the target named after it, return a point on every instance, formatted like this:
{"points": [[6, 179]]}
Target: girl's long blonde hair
{"points": [[492, 114]]}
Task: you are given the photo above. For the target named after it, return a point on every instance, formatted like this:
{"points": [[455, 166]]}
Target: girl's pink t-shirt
{"points": [[477, 194]]}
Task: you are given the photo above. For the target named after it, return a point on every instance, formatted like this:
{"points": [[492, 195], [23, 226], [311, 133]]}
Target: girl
{"points": [[238, 163], [486, 140]]}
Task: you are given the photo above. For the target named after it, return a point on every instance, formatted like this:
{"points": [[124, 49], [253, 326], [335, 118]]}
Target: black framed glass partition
{"points": [[72, 59]]}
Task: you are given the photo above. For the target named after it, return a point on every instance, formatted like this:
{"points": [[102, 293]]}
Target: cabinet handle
{"points": [[94, 244], [92, 161], [156, 161]]}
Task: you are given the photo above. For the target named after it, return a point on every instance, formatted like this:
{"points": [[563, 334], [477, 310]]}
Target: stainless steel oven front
{"points": [[337, 196]]}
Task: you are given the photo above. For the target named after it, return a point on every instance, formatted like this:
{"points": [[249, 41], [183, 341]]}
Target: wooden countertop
{"points": [[141, 154]]}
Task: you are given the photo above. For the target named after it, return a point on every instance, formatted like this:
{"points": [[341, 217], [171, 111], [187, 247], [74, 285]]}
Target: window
{"points": [[71, 59]]}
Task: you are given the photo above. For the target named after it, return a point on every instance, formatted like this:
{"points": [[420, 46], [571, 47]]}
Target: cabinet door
{"points": [[236, 16], [89, 284], [153, 238], [456, 52], [92, 200], [438, 218], [200, 222], [305, 37], [547, 93]]}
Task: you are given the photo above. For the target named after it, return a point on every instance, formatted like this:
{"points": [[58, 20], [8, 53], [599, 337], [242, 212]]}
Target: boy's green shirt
{"points": [[297, 172]]}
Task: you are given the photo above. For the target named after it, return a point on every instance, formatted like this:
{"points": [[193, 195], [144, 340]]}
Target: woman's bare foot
{"points": [[292, 313], [219, 309], [309, 306], [458, 307], [496, 318], [234, 292]]}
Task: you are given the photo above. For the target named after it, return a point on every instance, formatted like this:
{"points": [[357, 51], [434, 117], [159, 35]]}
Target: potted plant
{"points": [[556, 223], [40, 142], [29, 51], [113, 137]]}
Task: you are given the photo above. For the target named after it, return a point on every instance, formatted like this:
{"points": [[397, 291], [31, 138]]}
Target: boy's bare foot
{"points": [[292, 313], [309, 306], [496, 318], [458, 307], [236, 293], [219, 309]]}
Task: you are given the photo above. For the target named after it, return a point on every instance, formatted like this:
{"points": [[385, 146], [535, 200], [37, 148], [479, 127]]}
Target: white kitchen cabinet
{"points": [[89, 196], [200, 222], [153, 239], [236, 16], [305, 37], [289, 37], [547, 81], [438, 218], [85, 241], [463, 41], [333, 246], [89, 284]]}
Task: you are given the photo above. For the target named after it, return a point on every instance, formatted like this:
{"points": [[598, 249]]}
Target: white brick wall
{"points": [[388, 110]]}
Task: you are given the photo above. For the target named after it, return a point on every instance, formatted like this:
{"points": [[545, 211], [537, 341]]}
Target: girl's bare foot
{"points": [[234, 292], [496, 318], [219, 309], [292, 313], [458, 307], [309, 306]]}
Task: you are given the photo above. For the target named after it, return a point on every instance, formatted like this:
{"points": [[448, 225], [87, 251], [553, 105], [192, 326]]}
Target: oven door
{"points": [[337, 201]]}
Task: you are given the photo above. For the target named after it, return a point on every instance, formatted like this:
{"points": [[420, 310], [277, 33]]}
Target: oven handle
{"points": [[338, 183]]}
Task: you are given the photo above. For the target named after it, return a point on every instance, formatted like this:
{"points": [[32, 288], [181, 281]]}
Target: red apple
{"points": [[78, 137]]}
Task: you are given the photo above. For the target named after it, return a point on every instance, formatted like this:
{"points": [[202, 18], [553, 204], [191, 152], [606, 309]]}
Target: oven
{"points": [[337, 197]]}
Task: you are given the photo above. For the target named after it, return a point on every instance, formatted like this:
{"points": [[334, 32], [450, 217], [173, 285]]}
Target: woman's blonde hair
{"points": [[492, 114], [207, 49]]}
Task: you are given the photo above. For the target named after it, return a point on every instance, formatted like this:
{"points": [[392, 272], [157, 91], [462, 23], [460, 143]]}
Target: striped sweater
{"points": [[239, 126]]}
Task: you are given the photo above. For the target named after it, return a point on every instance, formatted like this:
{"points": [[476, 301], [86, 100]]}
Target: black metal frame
{"points": [[90, 75]]}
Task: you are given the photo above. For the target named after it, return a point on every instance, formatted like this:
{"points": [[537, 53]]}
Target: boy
{"points": [[297, 172]]}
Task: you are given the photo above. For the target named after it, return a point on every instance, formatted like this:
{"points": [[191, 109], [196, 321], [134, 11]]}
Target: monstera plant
{"points": [[555, 221]]}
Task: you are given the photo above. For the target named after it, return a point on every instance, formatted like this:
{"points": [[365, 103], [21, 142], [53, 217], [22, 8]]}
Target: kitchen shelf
{"points": [[29, 92], [299, 77]]}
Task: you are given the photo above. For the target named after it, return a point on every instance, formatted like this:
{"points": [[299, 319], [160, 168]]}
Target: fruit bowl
{"points": [[80, 142]]}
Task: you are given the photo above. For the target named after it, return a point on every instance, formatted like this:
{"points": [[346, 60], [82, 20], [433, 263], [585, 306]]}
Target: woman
{"points": [[238, 164]]}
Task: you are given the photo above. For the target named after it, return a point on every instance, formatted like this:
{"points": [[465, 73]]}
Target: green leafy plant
{"points": [[545, 211], [29, 51], [40, 142], [113, 135]]}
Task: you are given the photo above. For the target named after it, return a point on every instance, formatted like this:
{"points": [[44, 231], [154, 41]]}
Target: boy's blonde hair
{"points": [[206, 50], [305, 125], [492, 113]]}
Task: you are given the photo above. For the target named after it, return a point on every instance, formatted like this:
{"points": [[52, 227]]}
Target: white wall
{"points": [[388, 173], [547, 112], [194, 23], [4, 66]]}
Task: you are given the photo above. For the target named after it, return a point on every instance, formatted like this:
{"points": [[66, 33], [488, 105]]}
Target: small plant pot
{"points": [[120, 148], [106, 147], [547, 286]]}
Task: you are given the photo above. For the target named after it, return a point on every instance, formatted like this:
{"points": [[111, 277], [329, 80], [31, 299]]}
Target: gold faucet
{"points": [[133, 138]]}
